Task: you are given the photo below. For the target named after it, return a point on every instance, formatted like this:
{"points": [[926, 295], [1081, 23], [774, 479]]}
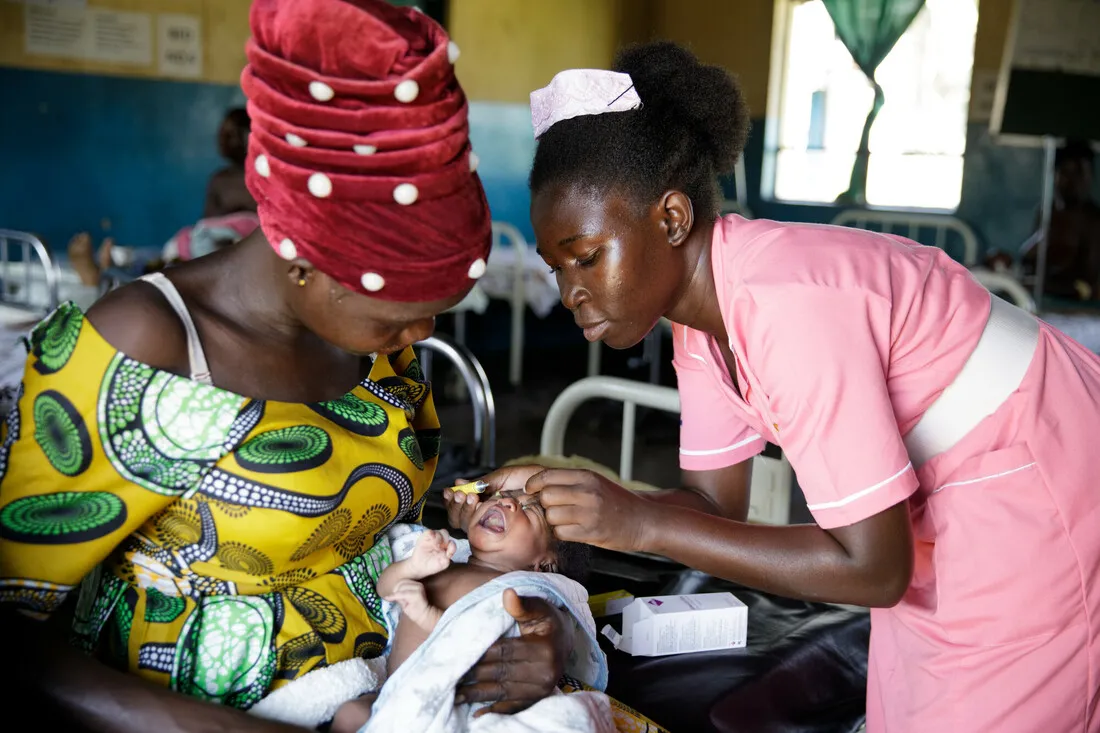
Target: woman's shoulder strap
{"points": [[200, 370]]}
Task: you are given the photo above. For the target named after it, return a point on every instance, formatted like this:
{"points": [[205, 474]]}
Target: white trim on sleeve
{"points": [[716, 451], [859, 494]]}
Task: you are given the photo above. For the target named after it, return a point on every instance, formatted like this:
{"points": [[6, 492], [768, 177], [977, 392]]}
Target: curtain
{"points": [[869, 29]]}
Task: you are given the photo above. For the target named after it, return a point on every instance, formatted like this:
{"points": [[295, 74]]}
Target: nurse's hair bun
{"points": [[677, 91], [690, 129]]}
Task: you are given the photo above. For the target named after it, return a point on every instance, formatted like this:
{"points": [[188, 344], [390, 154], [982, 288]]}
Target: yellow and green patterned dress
{"points": [[222, 545]]}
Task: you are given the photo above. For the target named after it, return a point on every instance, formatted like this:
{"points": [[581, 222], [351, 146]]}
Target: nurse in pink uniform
{"points": [[947, 442]]}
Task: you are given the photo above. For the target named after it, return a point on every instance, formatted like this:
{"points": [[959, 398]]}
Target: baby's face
{"points": [[510, 530]]}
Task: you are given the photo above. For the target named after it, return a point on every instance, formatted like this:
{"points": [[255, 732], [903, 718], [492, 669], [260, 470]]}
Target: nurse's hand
{"points": [[583, 506], [460, 507]]}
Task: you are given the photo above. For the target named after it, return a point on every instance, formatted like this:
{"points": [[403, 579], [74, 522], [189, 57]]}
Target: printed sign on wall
{"points": [[179, 45], [89, 34]]}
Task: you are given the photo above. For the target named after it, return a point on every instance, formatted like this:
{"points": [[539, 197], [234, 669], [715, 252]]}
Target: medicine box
{"points": [[662, 625], [609, 604]]}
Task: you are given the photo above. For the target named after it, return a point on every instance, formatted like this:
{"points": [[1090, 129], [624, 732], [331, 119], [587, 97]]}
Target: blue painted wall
{"points": [[502, 136], [77, 149]]}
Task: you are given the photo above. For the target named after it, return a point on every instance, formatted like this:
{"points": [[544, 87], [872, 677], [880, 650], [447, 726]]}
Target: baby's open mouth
{"points": [[494, 520]]}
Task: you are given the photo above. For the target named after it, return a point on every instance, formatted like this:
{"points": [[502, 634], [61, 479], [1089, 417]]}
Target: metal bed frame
{"points": [[1004, 284], [506, 235], [18, 290], [894, 222], [772, 478], [477, 387]]}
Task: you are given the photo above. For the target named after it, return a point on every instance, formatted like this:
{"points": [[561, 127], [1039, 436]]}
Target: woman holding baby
{"points": [[205, 460], [945, 440]]}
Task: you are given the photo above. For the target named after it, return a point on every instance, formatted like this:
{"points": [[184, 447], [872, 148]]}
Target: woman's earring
{"points": [[301, 282]]}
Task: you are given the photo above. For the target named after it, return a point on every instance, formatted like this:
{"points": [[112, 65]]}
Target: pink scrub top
{"points": [[843, 338]]}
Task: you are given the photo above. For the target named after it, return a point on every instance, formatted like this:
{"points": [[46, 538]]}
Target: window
{"points": [[822, 99]]}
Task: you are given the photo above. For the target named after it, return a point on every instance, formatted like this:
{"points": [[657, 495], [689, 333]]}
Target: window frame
{"points": [[782, 19]]}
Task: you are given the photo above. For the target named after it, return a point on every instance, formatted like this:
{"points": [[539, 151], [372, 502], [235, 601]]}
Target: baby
{"points": [[507, 532]]}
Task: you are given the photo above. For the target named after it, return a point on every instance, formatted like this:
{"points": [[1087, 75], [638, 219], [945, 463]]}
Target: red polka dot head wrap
{"points": [[359, 157]]}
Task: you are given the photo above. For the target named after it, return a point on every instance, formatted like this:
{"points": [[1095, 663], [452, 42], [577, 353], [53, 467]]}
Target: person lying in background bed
{"points": [[202, 458], [945, 440], [202, 238]]}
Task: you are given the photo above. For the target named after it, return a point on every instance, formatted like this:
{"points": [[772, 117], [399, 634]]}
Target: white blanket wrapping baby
{"points": [[420, 695]]}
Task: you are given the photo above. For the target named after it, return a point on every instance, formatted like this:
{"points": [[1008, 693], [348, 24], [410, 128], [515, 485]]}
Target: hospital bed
{"points": [[772, 478], [938, 230], [29, 276], [805, 666], [515, 273]]}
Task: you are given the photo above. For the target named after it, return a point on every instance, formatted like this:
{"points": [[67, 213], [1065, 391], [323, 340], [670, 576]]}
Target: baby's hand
{"points": [[432, 554], [413, 599], [460, 506]]}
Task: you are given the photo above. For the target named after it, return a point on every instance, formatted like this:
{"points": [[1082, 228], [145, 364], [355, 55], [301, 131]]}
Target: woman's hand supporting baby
{"points": [[516, 673]]}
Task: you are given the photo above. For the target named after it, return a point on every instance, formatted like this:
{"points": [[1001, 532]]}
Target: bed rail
{"points": [[477, 387], [913, 225], [771, 481], [1003, 284], [505, 234], [30, 281]]}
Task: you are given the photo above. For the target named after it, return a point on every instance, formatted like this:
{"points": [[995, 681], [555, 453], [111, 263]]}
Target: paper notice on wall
{"points": [[89, 34], [1058, 35], [179, 45], [124, 38], [61, 32]]}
